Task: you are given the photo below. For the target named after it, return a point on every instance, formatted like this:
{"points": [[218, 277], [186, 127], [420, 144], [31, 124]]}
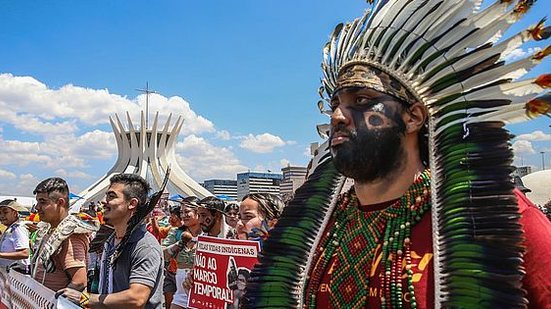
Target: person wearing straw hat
{"points": [[14, 242]]}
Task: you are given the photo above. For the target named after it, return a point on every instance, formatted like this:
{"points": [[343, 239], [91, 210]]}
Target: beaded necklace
{"points": [[360, 235]]}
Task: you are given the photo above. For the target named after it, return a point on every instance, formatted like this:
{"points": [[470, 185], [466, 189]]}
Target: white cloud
{"points": [[284, 162], [523, 146], [73, 174], [223, 135], [95, 144], [22, 185], [31, 106], [535, 136], [193, 123], [262, 143], [261, 168], [33, 124], [519, 53], [202, 160], [7, 174], [21, 153]]}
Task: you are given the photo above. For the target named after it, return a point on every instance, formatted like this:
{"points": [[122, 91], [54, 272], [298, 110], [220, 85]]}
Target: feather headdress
{"points": [[450, 56]]}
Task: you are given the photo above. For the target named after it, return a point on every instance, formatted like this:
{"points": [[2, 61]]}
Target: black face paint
{"points": [[207, 224], [375, 120], [369, 154]]}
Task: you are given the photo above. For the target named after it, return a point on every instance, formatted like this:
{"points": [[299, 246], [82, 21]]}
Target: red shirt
{"points": [[537, 258], [422, 265], [537, 281]]}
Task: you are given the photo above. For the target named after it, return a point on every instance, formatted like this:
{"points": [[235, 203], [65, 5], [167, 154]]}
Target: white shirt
{"points": [[16, 237]]}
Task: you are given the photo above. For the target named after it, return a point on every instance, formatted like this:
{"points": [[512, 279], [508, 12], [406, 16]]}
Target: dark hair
{"points": [[175, 210], [270, 205], [134, 187], [231, 206], [423, 137], [190, 201], [55, 187], [213, 203]]}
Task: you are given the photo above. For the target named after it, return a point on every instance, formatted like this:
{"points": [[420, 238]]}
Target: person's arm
{"points": [[79, 278], [172, 250], [163, 231], [537, 260], [20, 254], [74, 259], [154, 226], [170, 238], [135, 296]]}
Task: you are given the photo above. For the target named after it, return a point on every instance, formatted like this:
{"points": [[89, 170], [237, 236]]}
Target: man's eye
{"points": [[362, 100]]}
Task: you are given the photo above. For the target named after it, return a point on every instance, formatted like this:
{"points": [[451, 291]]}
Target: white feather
{"points": [[493, 12], [400, 20], [512, 70], [417, 29], [507, 114], [380, 25], [452, 12], [407, 30], [517, 92]]}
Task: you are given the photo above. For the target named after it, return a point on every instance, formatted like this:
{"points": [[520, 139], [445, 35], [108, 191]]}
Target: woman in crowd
{"points": [[182, 248], [174, 235], [231, 215], [258, 214]]}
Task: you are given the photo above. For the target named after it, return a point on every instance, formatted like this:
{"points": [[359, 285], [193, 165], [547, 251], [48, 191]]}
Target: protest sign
{"points": [[220, 271], [20, 291]]}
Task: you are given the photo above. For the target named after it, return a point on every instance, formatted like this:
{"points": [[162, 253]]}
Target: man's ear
{"points": [[415, 117], [133, 204], [62, 201]]}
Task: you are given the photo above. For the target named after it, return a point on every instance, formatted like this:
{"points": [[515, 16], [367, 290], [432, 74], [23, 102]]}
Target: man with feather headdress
{"points": [[418, 96]]}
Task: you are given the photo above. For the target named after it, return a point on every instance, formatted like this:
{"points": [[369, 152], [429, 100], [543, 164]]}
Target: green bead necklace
{"points": [[390, 226]]}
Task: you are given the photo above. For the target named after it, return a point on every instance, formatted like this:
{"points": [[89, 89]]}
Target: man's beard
{"points": [[369, 154]]}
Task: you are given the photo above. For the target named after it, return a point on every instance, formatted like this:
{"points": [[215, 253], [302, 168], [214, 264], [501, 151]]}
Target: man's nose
{"points": [[338, 117], [239, 225]]}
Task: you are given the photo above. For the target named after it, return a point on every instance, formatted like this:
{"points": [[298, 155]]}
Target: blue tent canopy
{"points": [[225, 197], [175, 197], [74, 196]]}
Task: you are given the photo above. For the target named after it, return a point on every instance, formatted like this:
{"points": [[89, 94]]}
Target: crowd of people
{"points": [[146, 264], [418, 95]]}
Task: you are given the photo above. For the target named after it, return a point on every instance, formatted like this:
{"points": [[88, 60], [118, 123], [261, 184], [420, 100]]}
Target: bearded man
{"points": [[421, 226], [211, 216]]}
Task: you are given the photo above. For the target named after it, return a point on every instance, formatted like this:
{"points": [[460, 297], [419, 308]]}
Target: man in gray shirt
{"points": [[131, 272]]}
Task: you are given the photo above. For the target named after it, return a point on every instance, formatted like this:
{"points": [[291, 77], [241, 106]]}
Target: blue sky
{"points": [[243, 73]]}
